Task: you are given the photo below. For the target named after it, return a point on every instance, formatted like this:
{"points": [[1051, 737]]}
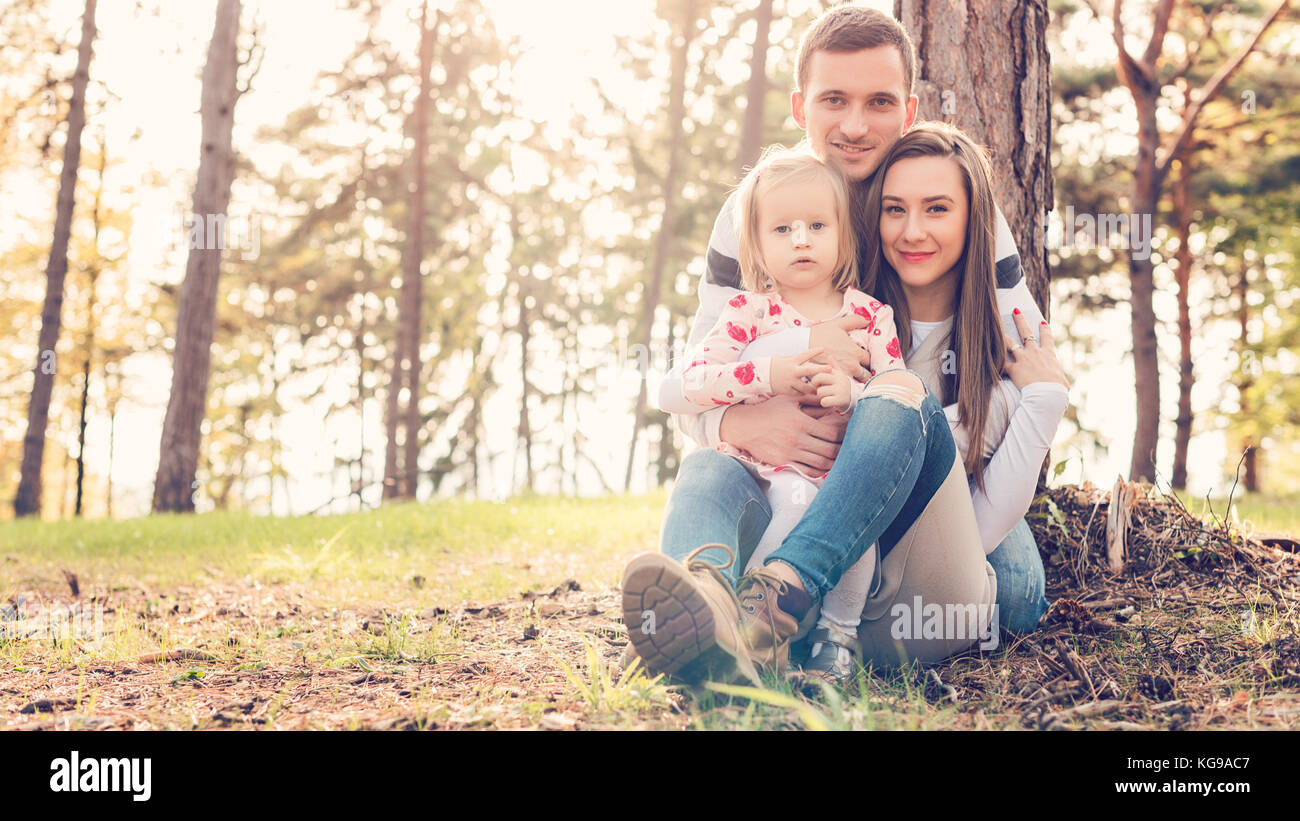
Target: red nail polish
{"points": [[1016, 312], [1044, 322]]}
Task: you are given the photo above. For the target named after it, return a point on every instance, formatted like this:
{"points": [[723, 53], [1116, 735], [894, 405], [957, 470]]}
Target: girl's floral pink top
{"points": [[715, 376]]}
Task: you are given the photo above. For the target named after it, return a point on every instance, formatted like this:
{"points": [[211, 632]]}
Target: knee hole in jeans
{"points": [[901, 386]]}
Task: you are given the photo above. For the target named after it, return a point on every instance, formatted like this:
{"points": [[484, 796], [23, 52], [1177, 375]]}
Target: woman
{"points": [[950, 531]]}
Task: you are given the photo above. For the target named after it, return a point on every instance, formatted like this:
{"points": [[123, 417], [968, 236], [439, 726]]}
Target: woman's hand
{"points": [[1034, 360], [790, 373]]}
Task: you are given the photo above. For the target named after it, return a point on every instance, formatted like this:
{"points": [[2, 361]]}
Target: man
{"points": [[855, 74]]}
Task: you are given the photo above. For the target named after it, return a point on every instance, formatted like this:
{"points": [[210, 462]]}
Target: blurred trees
{"points": [[483, 323], [28, 500]]}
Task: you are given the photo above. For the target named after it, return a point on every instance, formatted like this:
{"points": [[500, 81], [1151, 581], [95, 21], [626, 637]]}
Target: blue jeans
{"points": [[893, 459], [716, 500], [903, 454], [1021, 581]]}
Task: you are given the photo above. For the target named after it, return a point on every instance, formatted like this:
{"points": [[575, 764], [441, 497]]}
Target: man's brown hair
{"points": [[853, 28]]}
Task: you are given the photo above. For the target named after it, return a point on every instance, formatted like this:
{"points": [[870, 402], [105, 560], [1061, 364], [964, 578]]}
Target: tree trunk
{"points": [[1182, 214], [28, 499], [1249, 444], [1146, 360], [412, 281], [197, 306], [81, 421], [650, 295], [112, 439], [1141, 75], [972, 59], [89, 340], [525, 429], [751, 136], [667, 466], [392, 486]]}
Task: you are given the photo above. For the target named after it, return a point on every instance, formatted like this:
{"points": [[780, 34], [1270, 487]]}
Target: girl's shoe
{"points": [[832, 656]]}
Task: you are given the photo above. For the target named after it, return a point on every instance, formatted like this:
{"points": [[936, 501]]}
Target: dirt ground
{"points": [[1198, 630]]}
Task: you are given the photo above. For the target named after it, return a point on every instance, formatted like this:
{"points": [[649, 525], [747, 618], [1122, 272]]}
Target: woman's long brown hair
{"points": [[976, 338]]}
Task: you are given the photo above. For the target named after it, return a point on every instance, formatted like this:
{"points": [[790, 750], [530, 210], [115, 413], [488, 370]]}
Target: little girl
{"points": [[798, 261]]}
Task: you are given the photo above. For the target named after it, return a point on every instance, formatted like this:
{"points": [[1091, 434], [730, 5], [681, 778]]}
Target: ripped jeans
{"points": [[897, 450], [716, 500]]}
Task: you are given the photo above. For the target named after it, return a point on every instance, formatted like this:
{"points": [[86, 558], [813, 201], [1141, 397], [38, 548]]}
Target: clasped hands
{"points": [[823, 375]]}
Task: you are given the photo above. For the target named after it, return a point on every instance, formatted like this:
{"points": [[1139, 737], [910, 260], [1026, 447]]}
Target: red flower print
{"points": [[720, 402], [753, 332], [862, 311], [773, 309], [730, 395], [875, 305], [698, 362], [876, 332], [796, 322], [737, 333], [744, 374], [737, 301], [892, 349]]}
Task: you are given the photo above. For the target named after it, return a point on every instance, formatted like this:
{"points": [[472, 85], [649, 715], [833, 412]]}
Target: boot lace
{"points": [[714, 570], [756, 587]]}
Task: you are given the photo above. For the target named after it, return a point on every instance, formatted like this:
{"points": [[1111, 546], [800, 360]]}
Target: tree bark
{"points": [[27, 502], [973, 57], [751, 135], [1182, 214], [650, 295], [412, 278], [197, 306], [392, 486], [93, 270], [1249, 445], [1140, 75]]}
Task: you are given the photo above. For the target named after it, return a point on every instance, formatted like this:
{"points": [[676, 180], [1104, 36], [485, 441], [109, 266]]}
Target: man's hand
{"points": [[833, 337], [790, 374], [781, 431], [834, 389]]}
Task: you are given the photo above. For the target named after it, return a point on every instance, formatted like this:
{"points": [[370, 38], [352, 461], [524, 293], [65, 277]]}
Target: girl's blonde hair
{"points": [[777, 167]]}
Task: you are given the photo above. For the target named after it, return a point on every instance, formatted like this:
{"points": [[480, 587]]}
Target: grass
{"points": [[1274, 514], [445, 552], [411, 616]]}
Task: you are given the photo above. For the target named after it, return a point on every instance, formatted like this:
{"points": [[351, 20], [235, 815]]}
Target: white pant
{"points": [[789, 496]]}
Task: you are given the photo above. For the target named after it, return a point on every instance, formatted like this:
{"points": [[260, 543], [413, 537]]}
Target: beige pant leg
{"points": [[935, 593]]}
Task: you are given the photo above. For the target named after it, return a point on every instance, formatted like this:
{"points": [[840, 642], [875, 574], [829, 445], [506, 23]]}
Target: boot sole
{"points": [[683, 643]]}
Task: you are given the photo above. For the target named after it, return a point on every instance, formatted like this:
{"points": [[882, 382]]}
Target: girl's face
{"points": [[923, 215], [798, 234]]}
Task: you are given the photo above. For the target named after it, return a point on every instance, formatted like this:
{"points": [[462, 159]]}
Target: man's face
{"points": [[854, 107]]}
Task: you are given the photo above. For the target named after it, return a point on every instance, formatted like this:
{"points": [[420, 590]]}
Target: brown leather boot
{"points": [[770, 612], [683, 618]]}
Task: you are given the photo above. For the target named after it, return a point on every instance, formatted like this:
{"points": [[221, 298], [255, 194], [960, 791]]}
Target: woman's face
{"points": [[923, 215]]}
